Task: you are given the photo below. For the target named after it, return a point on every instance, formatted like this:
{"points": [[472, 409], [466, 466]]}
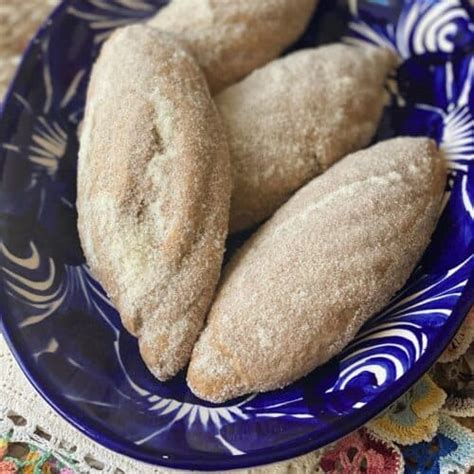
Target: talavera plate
{"points": [[67, 336]]}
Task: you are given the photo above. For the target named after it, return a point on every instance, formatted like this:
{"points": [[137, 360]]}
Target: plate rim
{"points": [[300, 446], [293, 449]]}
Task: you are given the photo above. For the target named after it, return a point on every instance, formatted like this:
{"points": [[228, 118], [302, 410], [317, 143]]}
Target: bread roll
{"points": [[153, 191], [295, 117], [230, 38], [299, 290]]}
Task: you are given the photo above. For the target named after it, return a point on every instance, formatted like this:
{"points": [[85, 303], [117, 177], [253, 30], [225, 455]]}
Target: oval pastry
{"points": [[299, 290], [289, 121], [153, 191], [230, 38]]}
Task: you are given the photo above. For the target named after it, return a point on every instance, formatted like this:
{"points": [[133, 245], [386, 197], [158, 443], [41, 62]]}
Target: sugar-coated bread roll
{"points": [[299, 290], [153, 191], [230, 38], [295, 117]]}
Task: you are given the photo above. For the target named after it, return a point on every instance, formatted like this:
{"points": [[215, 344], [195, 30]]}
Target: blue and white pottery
{"points": [[69, 339]]}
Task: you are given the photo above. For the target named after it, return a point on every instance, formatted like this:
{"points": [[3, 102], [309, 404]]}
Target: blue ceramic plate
{"points": [[67, 336]]}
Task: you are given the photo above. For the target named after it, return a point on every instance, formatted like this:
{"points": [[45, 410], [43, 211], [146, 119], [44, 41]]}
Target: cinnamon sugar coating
{"points": [[153, 191], [291, 120], [230, 38], [299, 290]]}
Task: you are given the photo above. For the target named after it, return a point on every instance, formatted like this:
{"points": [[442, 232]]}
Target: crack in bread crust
{"points": [[153, 191]]}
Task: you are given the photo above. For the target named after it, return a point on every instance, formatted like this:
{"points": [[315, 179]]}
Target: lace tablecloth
{"points": [[428, 430]]}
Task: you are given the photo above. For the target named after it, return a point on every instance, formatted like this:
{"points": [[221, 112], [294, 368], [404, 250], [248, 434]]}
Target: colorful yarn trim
{"points": [[457, 379], [24, 458], [362, 452], [450, 451], [414, 417]]}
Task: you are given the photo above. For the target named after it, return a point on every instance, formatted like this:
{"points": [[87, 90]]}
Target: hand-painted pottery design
{"points": [[69, 339]]}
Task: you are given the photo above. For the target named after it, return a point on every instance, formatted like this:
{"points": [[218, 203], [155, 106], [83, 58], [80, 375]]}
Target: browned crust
{"points": [[231, 38], [153, 191], [289, 121], [332, 256]]}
